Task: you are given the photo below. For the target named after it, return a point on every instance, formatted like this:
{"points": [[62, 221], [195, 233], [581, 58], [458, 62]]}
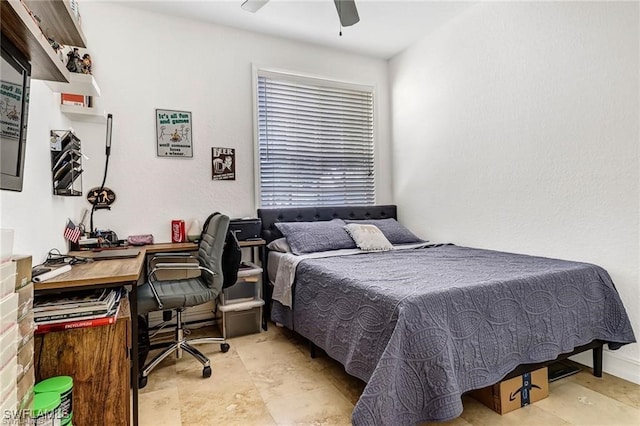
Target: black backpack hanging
{"points": [[231, 256]]}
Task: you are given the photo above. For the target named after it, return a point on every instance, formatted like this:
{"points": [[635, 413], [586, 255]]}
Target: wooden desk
{"points": [[109, 274], [106, 274]]}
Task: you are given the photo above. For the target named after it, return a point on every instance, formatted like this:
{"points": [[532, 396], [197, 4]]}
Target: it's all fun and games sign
{"points": [[174, 133]]}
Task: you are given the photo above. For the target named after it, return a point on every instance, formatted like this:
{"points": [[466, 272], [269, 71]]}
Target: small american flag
{"points": [[72, 232]]}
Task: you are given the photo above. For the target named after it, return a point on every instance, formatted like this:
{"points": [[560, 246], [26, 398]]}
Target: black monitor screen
{"points": [[14, 102]]}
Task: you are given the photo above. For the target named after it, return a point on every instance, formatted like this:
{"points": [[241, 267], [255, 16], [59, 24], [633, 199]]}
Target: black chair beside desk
{"points": [[179, 294]]}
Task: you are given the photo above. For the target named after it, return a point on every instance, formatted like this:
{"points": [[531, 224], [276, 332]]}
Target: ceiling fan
{"points": [[347, 10]]}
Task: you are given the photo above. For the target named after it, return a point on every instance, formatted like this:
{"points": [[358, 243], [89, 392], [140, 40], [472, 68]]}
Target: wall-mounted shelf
{"points": [[80, 113], [58, 21], [22, 30], [81, 84]]}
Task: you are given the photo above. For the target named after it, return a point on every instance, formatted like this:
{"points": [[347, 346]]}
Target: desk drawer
{"points": [[239, 323]]}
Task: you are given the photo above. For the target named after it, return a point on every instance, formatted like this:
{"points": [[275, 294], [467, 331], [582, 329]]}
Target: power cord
{"points": [[55, 258]]}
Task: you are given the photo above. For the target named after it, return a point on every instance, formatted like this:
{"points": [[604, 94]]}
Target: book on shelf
{"points": [[72, 99], [76, 302], [70, 315], [72, 312], [81, 323]]}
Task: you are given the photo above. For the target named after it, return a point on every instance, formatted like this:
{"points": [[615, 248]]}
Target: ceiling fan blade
{"points": [[347, 12], [253, 5]]}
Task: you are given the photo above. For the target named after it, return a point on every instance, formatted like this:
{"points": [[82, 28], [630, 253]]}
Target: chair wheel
{"points": [[224, 347], [206, 372], [142, 382]]}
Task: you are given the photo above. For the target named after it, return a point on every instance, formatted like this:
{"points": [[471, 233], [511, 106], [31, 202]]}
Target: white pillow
{"points": [[280, 245], [368, 237]]}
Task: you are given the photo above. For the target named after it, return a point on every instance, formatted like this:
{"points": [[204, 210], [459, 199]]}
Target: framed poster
{"points": [[173, 133], [223, 164]]}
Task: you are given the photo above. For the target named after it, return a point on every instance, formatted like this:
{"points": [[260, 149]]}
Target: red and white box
{"points": [[72, 99]]}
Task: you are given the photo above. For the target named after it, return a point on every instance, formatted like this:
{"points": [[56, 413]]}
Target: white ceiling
{"points": [[386, 27]]}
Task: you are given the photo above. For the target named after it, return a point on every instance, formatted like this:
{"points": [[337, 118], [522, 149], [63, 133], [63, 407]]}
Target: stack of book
{"points": [[76, 310]]}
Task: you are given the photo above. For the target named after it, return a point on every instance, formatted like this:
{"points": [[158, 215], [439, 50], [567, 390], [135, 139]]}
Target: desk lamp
{"points": [[104, 179]]}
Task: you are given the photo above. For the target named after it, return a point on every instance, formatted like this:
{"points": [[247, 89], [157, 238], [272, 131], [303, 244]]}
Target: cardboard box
{"points": [[8, 344], [23, 270], [25, 387], [26, 329], [509, 395], [8, 311], [25, 300], [7, 278], [25, 358]]}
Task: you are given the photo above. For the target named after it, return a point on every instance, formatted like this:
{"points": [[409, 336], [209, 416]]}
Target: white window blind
{"points": [[315, 143]]}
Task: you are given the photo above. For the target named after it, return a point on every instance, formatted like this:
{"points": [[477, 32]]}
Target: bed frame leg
{"points": [[597, 361], [312, 350]]}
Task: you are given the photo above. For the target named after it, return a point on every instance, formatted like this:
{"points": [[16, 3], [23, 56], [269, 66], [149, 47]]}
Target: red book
{"points": [[69, 325], [79, 323]]}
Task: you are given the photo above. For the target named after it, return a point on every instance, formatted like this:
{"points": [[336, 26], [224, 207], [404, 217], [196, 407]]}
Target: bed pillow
{"points": [[368, 237], [392, 230], [280, 245], [310, 237]]}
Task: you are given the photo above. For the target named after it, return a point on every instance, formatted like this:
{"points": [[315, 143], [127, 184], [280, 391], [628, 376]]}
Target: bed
{"points": [[423, 325]]}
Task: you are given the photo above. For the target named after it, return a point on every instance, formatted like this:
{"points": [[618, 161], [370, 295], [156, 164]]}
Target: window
{"points": [[315, 142]]}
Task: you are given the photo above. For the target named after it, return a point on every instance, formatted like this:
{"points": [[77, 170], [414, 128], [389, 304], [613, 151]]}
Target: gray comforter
{"points": [[423, 326]]}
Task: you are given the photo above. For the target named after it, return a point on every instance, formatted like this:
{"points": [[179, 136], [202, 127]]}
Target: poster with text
{"points": [[173, 133], [223, 163], [10, 109], [10, 120]]}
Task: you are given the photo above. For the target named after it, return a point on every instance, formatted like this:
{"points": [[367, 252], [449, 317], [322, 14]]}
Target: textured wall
{"points": [[144, 61], [515, 127]]}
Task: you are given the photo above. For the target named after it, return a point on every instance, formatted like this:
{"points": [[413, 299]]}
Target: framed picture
{"points": [[223, 164], [174, 133]]}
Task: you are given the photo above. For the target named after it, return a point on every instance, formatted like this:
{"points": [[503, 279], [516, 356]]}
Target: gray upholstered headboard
{"points": [[270, 216]]}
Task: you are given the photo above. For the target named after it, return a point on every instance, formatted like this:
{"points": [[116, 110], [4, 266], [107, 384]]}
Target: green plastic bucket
{"points": [[45, 409], [63, 385]]}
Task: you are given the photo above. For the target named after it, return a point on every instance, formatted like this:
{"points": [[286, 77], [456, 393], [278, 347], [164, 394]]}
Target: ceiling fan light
{"points": [[253, 5]]}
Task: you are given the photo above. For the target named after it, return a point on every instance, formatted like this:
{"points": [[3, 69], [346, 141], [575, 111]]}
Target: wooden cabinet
{"points": [[98, 360]]}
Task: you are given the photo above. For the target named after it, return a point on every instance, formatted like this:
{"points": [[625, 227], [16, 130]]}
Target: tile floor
{"points": [[270, 379]]}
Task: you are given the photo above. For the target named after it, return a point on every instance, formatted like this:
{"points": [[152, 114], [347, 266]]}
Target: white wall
{"points": [[37, 217], [515, 127], [143, 61], [150, 61]]}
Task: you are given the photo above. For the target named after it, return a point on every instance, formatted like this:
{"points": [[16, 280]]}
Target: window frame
{"points": [[258, 71]]}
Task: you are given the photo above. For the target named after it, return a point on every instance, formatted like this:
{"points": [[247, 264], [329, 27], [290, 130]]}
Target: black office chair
{"points": [[179, 294]]}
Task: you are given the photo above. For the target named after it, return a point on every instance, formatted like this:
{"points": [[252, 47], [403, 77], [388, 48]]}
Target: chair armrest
{"points": [[177, 254], [181, 257], [176, 266]]}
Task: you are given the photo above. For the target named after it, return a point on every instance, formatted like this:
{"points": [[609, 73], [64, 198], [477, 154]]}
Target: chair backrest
{"points": [[211, 247]]}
